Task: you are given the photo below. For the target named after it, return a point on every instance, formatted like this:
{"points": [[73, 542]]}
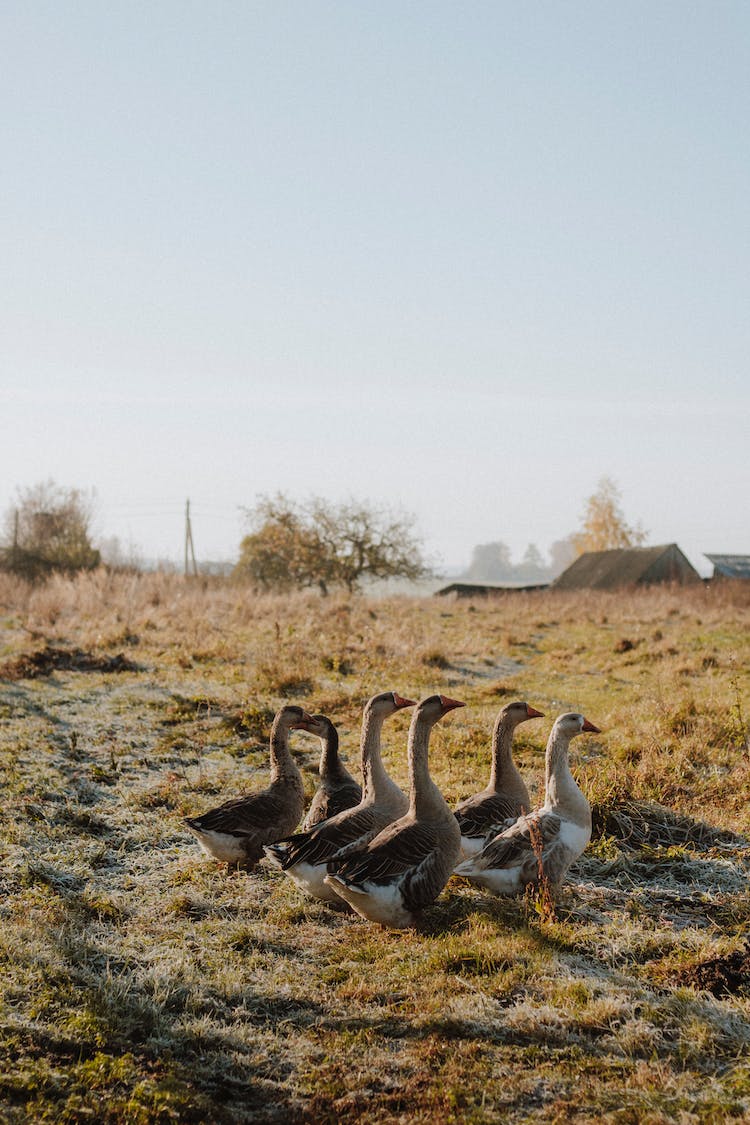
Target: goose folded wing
{"points": [[494, 830], [243, 816], [388, 857], [556, 860], [476, 817], [323, 841], [521, 842], [344, 797], [424, 883]]}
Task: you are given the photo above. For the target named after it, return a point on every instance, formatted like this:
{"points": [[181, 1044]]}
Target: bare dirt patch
{"points": [[45, 661], [721, 976]]}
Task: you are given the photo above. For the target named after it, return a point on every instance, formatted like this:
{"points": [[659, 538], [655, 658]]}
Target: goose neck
{"points": [[561, 790], [503, 767], [283, 764], [423, 793], [373, 771], [329, 754]]}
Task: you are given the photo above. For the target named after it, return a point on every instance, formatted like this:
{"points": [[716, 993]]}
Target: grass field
{"points": [[142, 983]]}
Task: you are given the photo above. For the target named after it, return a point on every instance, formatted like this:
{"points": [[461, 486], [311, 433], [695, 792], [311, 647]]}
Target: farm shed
{"points": [[474, 590], [627, 566], [730, 566]]}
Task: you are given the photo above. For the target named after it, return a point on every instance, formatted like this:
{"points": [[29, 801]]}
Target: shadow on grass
{"points": [[638, 824], [461, 905]]}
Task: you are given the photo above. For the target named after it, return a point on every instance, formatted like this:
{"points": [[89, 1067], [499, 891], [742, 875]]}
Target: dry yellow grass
{"points": [[141, 983]]}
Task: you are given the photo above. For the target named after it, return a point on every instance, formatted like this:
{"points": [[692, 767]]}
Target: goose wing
{"points": [[523, 843], [476, 815], [244, 816], [394, 852], [322, 842], [341, 798], [424, 883], [330, 801]]}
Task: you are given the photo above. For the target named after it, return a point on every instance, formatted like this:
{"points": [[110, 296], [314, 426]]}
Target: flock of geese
{"points": [[388, 855]]}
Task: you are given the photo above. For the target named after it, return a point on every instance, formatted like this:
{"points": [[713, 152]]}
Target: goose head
{"points": [[520, 712], [430, 710], [293, 717], [572, 723], [321, 726], [387, 703]]}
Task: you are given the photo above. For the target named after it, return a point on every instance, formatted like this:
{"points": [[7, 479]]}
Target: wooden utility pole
{"points": [[189, 541], [14, 549]]}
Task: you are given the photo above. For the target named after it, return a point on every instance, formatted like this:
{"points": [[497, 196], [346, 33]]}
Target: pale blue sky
{"points": [[460, 258]]}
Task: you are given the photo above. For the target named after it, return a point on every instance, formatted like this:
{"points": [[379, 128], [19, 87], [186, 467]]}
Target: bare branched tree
{"points": [[48, 530], [320, 543]]}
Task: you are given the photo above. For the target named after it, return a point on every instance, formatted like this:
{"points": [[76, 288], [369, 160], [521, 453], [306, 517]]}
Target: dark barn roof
{"points": [[477, 590], [730, 566], [627, 566]]}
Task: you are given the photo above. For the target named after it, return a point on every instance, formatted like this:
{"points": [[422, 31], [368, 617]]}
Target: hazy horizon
{"points": [[461, 261]]}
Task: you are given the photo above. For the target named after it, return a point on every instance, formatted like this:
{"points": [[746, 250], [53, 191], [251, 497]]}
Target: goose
{"points": [[304, 856], [337, 790], [406, 866], [547, 841], [235, 832], [506, 796]]}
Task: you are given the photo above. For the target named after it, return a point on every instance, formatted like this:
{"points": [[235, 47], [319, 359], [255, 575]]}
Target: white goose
{"points": [[405, 867], [304, 856], [236, 831], [505, 796], [337, 790], [547, 841]]}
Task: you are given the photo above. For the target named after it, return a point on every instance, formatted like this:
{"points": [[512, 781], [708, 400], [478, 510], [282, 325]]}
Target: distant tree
{"points": [[320, 543], [490, 562], [47, 530], [532, 567], [118, 557], [282, 552], [562, 553], [604, 525]]}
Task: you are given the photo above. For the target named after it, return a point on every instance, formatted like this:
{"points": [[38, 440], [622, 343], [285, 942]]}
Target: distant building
{"points": [[627, 566], [730, 566], [477, 590]]}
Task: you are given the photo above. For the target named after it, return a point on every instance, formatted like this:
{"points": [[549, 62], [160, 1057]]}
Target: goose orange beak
{"points": [[533, 713], [449, 704], [304, 722], [400, 701], [590, 727]]}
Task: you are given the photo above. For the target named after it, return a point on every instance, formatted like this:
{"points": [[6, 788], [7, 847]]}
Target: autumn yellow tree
{"points": [[604, 524]]}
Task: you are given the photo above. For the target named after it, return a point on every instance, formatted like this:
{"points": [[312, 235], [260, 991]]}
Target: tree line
{"points": [[311, 543], [603, 526]]}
